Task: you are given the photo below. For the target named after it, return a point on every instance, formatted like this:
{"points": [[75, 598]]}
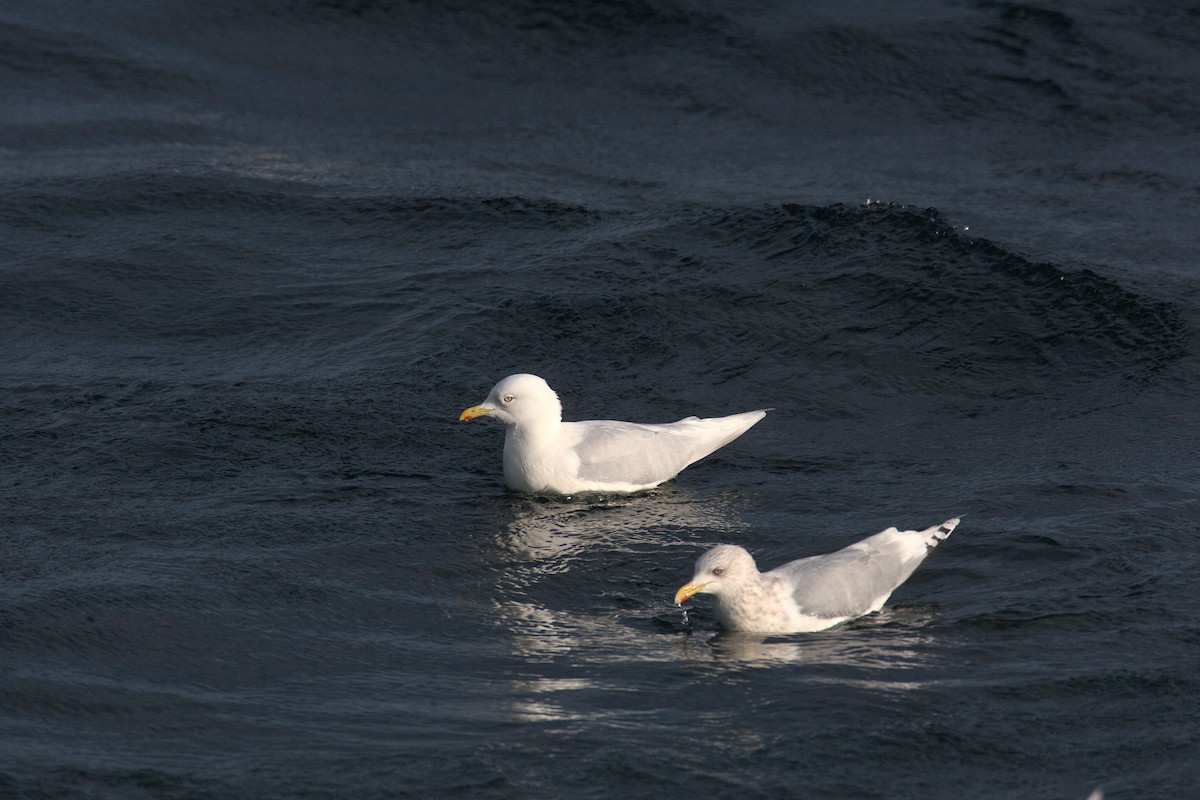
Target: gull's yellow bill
{"points": [[686, 591], [473, 412]]}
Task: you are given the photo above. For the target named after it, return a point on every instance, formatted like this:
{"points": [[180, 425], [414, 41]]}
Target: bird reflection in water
{"points": [[553, 530], [557, 551], [879, 650]]}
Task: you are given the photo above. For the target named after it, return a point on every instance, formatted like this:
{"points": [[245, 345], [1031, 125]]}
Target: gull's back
{"points": [[645, 455], [859, 579]]}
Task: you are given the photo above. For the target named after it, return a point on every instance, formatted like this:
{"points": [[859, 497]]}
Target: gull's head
{"points": [[721, 568], [518, 400]]}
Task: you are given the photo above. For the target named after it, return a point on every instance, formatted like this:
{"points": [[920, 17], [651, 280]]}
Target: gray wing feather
{"points": [[638, 453], [631, 452], [847, 582]]}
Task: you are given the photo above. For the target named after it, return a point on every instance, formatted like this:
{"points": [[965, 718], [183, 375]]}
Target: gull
{"points": [[810, 594], [543, 454]]}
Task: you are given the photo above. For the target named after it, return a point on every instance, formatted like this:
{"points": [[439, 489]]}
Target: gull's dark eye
{"points": [[718, 570], [508, 398]]}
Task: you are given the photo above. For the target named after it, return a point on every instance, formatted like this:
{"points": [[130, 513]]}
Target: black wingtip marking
{"points": [[943, 531]]}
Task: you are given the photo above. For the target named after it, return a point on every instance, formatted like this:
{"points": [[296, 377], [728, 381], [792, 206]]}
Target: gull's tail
{"points": [[714, 433], [938, 533]]}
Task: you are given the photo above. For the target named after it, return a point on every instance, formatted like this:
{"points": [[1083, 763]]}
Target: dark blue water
{"points": [[255, 257]]}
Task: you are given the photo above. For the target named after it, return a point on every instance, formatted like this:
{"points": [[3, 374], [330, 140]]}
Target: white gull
{"points": [[813, 593], [543, 454]]}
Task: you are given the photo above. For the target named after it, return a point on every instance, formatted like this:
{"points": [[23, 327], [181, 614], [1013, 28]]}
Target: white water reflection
{"points": [[557, 530], [575, 662], [876, 651], [565, 653], [555, 548], [558, 550]]}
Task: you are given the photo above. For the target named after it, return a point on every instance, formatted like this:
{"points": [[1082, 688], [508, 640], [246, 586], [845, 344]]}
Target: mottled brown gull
{"points": [[543, 454], [813, 593]]}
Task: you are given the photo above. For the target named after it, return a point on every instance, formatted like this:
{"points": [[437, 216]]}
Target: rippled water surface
{"points": [[257, 257]]}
